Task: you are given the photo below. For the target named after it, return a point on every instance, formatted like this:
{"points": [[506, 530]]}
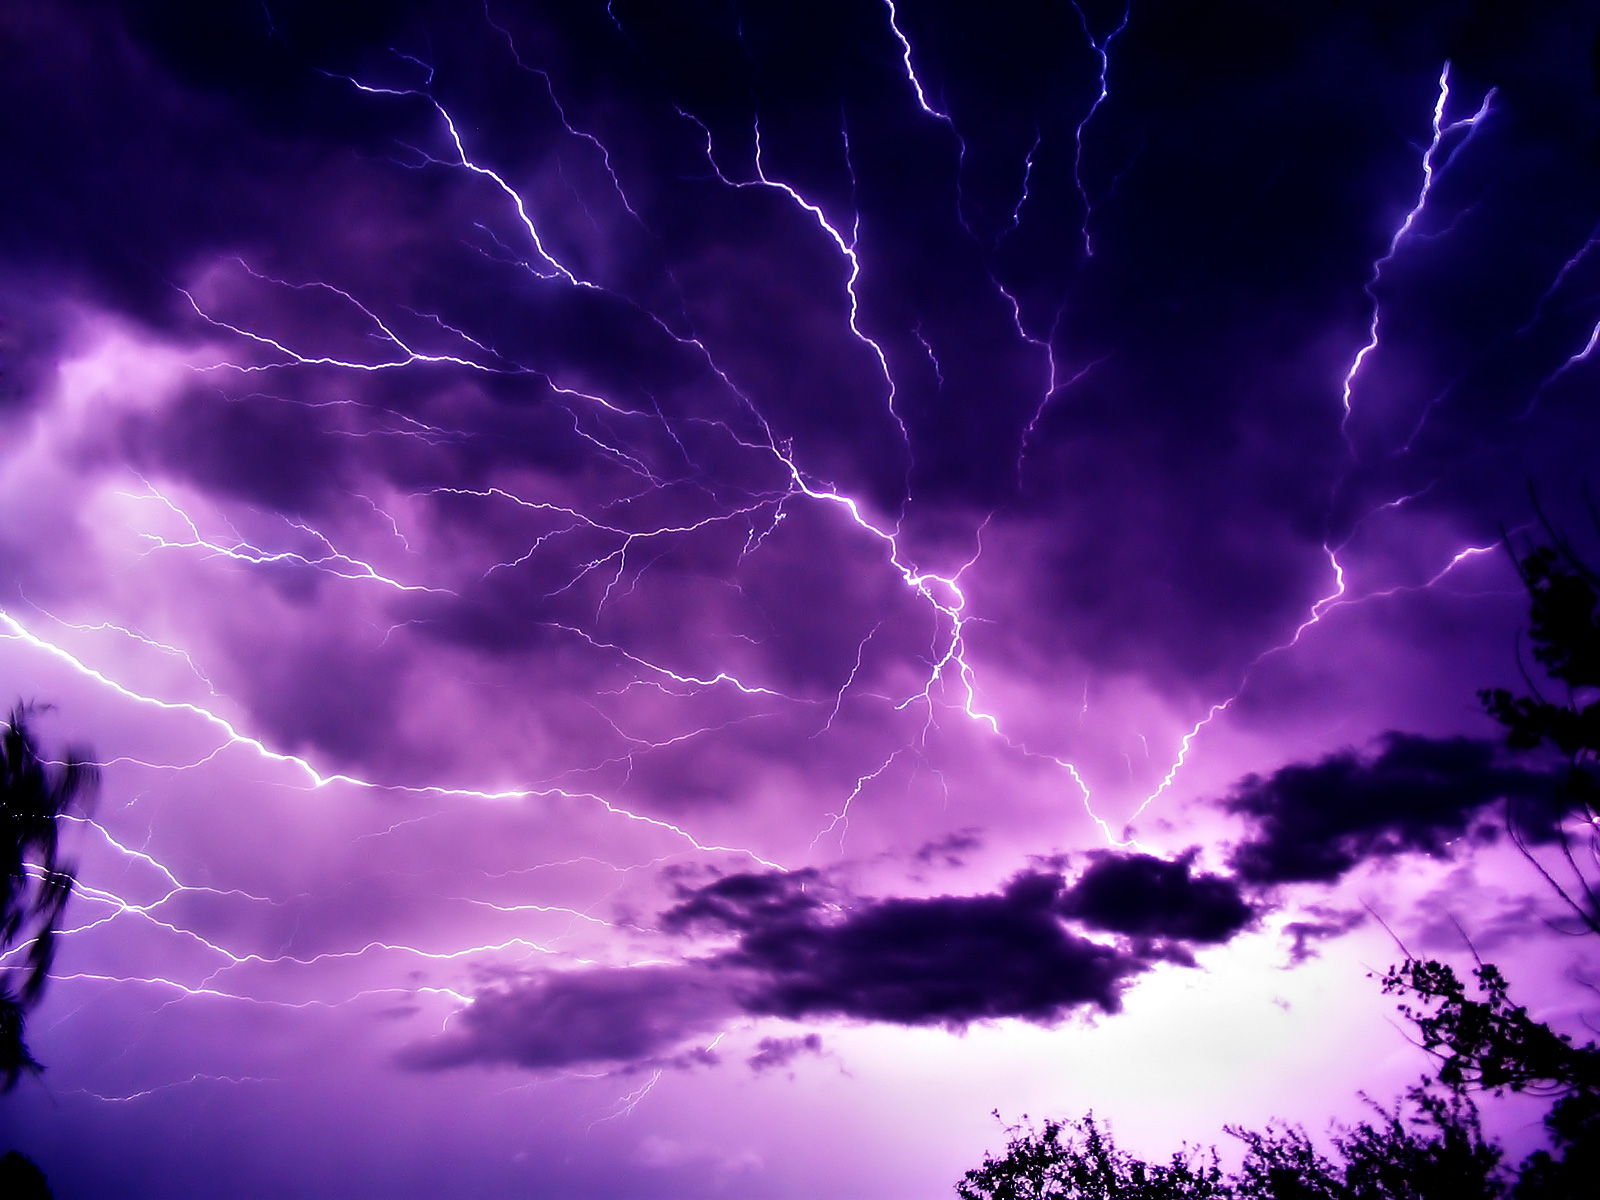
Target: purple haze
{"points": [[686, 599]]}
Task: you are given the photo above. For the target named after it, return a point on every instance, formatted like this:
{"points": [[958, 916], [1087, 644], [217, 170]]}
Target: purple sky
{"points": [[686, 599]]}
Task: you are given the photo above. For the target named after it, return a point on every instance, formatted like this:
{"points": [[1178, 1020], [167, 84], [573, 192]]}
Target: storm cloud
{"points": [[1313, 822], [1144, 896], [557, 1019], [946, 960], [805, 948]]}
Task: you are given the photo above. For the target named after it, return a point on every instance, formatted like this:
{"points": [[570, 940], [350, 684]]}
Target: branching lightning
{"points": [[1431, 165], [596, 556], [1102, 51]]}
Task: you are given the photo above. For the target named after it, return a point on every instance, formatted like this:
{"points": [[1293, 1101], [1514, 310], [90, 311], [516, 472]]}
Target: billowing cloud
{"points": [[945, 960], [805, 948], [748, 903], [1312, 822], [1144, 896], [955, 959], [557, 1019]]}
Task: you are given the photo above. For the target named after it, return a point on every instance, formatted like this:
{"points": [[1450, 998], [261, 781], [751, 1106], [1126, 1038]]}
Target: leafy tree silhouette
{"points": [[1436, 1151], [1488, 1042], [1493, 1045], [1564, 594], [34, 793]]}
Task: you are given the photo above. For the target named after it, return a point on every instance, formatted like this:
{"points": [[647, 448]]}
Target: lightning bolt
{"points": [[1431, 165], [1102, 51]]}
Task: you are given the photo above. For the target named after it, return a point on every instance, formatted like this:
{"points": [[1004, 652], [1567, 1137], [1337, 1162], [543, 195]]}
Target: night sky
{"points": [[688, 598]]}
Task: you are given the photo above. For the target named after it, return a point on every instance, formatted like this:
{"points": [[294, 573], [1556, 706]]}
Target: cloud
{"points": [[559, 1019], [774, 1052], [1312, 822], [746, 903], [802, 948], [955, 959], [948, 850], [1142, 896], [1320, 925], [944, 960]]}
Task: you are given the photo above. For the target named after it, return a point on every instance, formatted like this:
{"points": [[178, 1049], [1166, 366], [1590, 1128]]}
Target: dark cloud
{"points": [[747, 903], [1312, 822], [1142, 896], [557, 1019], [955, 959], [942, 960], [803, 948], [946, 960]]}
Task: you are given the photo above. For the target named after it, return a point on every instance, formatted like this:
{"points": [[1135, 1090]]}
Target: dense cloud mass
{"points": [[806, 949], [747, 903], [955, 959], [556, 1019], [1144, 896], [1315, 821], [943, 960]]}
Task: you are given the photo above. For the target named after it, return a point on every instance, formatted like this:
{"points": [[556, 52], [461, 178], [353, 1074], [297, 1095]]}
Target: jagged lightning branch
{"points": [[14, 630], [1102, 51], [1430, 167]]}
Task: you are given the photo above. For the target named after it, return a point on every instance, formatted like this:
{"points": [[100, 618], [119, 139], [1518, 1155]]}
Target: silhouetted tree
{"points": [[1078, 1158], [34, 794], [1436, 1151], [1490, 1044], [1564, 628]]}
